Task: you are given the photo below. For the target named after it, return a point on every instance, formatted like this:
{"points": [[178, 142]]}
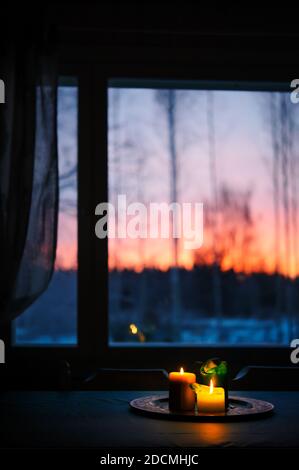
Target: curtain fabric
{"points": [[28, 178]]}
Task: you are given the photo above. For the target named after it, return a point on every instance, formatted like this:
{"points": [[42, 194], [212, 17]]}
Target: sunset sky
{"points": [[139, 167], [66, 254]]}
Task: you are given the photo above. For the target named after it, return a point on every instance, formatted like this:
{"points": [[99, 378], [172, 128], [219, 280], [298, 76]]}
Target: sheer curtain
{"points": [[28, 178]]}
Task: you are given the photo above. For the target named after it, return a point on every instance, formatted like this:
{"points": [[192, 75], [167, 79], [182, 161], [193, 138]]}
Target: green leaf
{"points": [[214, 367]]}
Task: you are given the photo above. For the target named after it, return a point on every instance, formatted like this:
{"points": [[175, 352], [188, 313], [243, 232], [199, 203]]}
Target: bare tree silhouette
{"points": [[167, 99], [294, 211], [293, 189], [276, 188], [285, 201], [115, 189], [217, 294], [140, 164], [237, 241]]}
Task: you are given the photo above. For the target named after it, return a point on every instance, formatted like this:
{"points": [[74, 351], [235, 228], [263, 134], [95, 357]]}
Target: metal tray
{"points": [[240, 408]]}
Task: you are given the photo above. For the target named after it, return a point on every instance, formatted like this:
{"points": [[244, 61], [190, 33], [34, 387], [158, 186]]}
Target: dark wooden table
{"points": [[103, 419]]}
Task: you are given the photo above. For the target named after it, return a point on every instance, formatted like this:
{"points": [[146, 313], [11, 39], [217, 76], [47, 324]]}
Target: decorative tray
{"points": [[240, 408]]}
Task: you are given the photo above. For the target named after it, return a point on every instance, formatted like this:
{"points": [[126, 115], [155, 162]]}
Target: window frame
{"points": [[93, 347], [14, 352], [168, 356]]}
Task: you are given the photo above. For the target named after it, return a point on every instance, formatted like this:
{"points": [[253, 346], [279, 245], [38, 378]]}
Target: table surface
{"points": [[103, 419]]}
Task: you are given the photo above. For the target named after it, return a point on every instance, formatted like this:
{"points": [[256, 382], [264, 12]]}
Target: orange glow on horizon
{"points": [[234, 261], [66, 259], [157, 254]]}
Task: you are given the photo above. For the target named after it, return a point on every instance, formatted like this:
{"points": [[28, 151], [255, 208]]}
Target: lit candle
{"points": [[217, 370], [181, 396], [210, 399]]}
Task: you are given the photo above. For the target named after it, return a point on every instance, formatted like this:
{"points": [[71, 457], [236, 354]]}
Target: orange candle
{"points": [[181, 397]]}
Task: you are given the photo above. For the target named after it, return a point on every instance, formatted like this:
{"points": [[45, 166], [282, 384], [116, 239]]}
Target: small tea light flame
{"points": [[211, 386], [134, 329], [181, 370]]}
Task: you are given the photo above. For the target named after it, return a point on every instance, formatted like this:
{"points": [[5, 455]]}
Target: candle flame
{"points": [[134, 329], [181, 370], [211, 386]]}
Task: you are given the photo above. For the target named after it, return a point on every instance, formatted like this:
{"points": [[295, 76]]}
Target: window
{"points": [[228, 146], [52, 319], [236, 151]]}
